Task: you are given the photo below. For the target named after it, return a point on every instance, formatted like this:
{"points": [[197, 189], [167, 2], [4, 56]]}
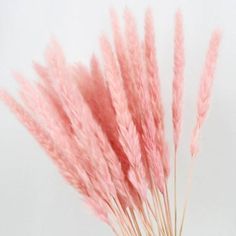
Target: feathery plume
{"points": [[103, 127], [154, 89], [179, 63], [135, 54], [67, 170], [130, 86], [127, 132], [205, 89], [89, 132]]}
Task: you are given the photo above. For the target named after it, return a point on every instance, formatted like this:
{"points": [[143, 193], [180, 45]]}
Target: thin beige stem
{"points": [[158, 209], [175, 193], [162, 220], [145, 222], [156, 217], [162, 213], [168, 205], [167, 213], [149, 207], [187, 195], [114, 230], [157, 220], [167, 216], [134, 226], [119, 220], [135, 222], [149, 215], [125, 219], [148, 222]]}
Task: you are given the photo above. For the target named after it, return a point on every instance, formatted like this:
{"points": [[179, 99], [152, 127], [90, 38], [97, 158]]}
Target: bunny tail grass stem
{"points": [[187, 194]]}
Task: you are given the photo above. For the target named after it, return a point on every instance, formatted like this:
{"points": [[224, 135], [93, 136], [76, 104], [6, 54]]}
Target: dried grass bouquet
{"points": [[103, 125]]}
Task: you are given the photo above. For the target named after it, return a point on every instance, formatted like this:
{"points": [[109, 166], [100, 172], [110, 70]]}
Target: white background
{"points": [[34, 199]]}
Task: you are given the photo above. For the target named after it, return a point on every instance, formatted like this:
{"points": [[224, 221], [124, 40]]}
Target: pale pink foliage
{"points": [[123, 59], [68, 170], [154, 89], [128, 83], [104, 126], [92, 85], [87, 130], [139, 76], [205, 89], [128, 136], [179, 62]]}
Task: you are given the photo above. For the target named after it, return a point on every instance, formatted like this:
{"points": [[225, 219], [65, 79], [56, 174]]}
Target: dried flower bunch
{"points": [[103, 125]]}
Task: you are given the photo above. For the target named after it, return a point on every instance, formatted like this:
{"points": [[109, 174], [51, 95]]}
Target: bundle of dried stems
{"points": [[103, 125]]}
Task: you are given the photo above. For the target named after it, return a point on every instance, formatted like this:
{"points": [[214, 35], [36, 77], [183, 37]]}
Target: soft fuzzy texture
{"points": [[103, 124], [178, 82], [205, 89]]}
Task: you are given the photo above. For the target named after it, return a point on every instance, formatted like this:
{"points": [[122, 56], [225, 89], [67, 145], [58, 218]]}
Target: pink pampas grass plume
{"points": [[138, 73], [205, 89], [177, 98], [179, 63], [127, 132], [152, 71], [44, 140], [102, 124]]}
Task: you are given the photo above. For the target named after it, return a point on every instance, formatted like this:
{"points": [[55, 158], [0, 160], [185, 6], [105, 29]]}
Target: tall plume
{"points": [[205, 89], [103, 125], [178, 81], [154, 88]]}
